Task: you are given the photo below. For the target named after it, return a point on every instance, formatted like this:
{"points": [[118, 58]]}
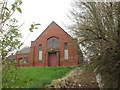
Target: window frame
{"points": [[66, 46], [26, 59], [40, 53], [53, 42], [40, 47], [66, 51]]}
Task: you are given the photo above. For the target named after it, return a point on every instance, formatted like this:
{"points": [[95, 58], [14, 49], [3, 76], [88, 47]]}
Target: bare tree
{"points": [[96, 25]]}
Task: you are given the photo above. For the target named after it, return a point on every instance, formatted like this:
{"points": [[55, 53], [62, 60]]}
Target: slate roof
{"points": [[24, 50]]}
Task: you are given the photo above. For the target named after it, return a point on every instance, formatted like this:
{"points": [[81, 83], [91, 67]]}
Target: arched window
{"points": [[53, 42], [66, 46]]}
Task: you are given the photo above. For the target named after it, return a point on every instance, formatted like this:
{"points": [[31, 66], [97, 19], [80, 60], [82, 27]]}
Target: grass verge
{"points": [[37, 77]]}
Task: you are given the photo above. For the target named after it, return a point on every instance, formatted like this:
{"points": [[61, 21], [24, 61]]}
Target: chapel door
{"points": [[52, 59]]}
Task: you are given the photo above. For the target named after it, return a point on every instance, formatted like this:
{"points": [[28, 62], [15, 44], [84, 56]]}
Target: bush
{"points": [[41, 83]]}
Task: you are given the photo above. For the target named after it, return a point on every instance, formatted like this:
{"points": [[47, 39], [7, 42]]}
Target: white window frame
{"points": [[66, 51], [40, 52], [40, 55], [66, 54]]}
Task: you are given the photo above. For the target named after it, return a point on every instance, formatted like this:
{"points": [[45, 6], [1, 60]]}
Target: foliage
{"points": [[36, 77], [9, 34], [9, 31], [41, 83], [8, 75], [0, 75], [96, 25], [9, 37], [33, 26]]}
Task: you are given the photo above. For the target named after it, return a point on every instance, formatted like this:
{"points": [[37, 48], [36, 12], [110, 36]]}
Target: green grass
{"points": [[37, 77]]}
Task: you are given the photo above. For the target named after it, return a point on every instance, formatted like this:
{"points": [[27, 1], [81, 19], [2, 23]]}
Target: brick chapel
{"points": [[54, 47]]}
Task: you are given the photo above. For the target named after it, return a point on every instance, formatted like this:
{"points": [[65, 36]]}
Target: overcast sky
{"points": [[43, 12]]}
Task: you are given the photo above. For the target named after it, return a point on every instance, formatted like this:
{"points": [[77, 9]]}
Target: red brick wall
{"points": [[22, 55], [53, 30]]}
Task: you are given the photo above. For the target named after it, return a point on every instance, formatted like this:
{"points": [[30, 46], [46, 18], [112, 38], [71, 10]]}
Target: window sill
{"points": [[66, 60], [40, 61]]}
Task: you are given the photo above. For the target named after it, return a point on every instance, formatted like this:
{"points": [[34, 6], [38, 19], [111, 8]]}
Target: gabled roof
{"points": [[49, 26]]}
